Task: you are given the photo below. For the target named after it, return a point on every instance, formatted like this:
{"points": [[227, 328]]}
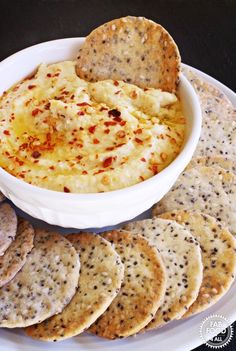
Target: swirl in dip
{"points": [[63, 133]]}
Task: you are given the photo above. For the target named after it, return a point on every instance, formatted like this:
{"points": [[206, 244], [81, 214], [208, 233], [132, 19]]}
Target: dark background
{"points": [[205, 31]]}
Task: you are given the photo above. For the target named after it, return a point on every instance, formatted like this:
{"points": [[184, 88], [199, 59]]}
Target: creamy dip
{"points": [[60, 132]]}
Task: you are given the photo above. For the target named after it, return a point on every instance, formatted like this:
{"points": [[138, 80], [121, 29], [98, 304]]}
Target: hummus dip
{"points": [[60, 132]]}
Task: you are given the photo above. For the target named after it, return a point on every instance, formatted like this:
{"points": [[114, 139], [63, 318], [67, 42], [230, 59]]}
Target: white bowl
{"points": [[101, 209]]}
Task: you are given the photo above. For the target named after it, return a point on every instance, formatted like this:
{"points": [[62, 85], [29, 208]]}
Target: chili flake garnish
{"points": [[83, 104], [138, 131], [114, 113], [36, 111], [154, 168], [139, 141], [96, 141], [66, 190], [35, 154], [80, 113], [116, 83], [141, 177], [117, 119], [103, 109], [107, 131], [109, 123], [92, 129], [143, 159], [107, 162], [84, 172], [31, 86], [6, 132]]}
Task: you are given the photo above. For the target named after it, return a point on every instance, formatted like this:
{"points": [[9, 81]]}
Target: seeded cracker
{"points": [[8, 225], [133, 49], [142, 291], [218, 250], [211, 190], [214, 103], [182, 258], [218, 137], [223, 162], [15, 256], [45, 284], [100, 280]]}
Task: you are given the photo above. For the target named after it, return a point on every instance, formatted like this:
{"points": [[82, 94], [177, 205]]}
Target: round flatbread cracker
{"points": [[100, 280], [214, 103], [220, 161], [211, 190], [15, 256], [133, 49], [45, 284], [218, 256], [142, 291], [182, 258], [8, 225], [218, 137]]}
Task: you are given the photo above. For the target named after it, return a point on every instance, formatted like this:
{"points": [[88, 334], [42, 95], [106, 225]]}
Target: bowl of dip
{"points": [[80, 154]]}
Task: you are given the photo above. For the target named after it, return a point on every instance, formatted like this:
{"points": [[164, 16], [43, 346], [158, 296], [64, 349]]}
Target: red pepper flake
{"points": [[143, 159], [23, 146], [141, 177], [56, 74], [49, 75], [139, 141], [28, 102], [31, 87], [134, 94], [96, 141], [116, 83], [72, 96], [84, 172], [110, 123], [66, 190], [122, 123], [110, 148], [103, 109], [92, 129], [36, 111], [35, 154], [19, 161], [107, 162], [47, 106], [98, 172], [80, 113], [52, 168], [173, 141], [107, 131], [117, 119], [6, 132], [114, 113], [83, 104], [117, 92], [154, 168], [80, 128], [138, 131]]}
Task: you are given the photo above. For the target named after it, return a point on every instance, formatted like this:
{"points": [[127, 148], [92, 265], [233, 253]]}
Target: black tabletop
{"points": [[205, 31]]}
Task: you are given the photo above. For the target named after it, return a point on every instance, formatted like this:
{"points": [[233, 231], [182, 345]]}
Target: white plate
{"points": [[176, 336]]}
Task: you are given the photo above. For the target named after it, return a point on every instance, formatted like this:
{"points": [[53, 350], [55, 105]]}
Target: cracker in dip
{"points": [[62, 133]]}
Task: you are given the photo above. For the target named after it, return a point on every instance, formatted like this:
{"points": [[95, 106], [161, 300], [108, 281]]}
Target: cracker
{"points": [[218, 249], [182, 258], [133, 49], [211, 190], [218, 137], [8, 225], [142, 291], [100, 280], [45, 284], [218, 160], [15, 256], [214, 103]]}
